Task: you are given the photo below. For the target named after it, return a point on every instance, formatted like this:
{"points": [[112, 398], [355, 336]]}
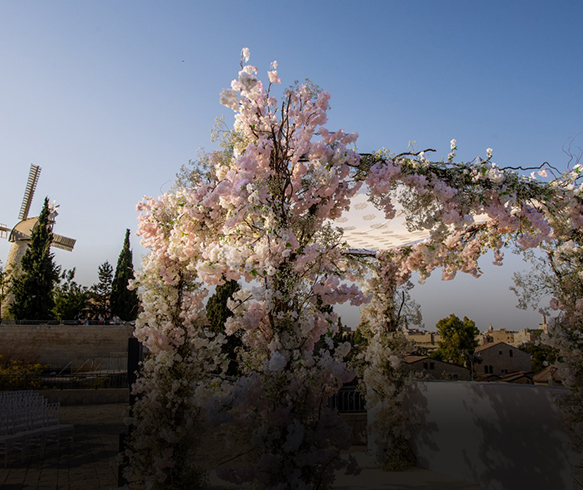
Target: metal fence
{"points": [[348, 400], [63, 382]]}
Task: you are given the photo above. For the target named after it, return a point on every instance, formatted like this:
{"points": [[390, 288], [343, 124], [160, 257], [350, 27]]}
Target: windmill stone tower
{"points": [[20, 234]]}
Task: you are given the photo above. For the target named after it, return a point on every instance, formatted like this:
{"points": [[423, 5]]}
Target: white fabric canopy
{"points": [[365, 227]]}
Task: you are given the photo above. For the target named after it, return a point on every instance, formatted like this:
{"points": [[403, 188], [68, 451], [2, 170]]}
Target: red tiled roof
{"points": [[547, 373], [412, 359], [510, 377]]}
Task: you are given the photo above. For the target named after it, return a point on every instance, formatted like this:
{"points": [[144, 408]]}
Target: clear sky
{"points": [[110, 98]]}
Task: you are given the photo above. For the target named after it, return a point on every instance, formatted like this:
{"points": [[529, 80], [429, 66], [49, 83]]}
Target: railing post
{"points": [[135, 354]]}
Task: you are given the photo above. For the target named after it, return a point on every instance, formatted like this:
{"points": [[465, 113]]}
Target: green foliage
{"points": [[217, 313], [458, 339], [19, 375], [33, 283], [4, 286], [124, 302], [101, 292], [216, 307], [70, 297], [541, 355], [400, 456]]}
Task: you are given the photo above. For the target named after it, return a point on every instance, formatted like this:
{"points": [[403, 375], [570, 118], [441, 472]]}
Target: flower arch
{"points": [[260, 211]]}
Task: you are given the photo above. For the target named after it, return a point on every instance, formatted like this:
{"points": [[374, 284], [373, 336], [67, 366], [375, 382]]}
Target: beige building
{"points": [[502, 358], [435, 369], [423, 338], [511, 337], [492, 336]]}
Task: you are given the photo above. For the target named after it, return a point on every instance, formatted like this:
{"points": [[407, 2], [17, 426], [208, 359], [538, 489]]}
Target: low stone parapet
{"points": [[87, 397], [75, 346]]}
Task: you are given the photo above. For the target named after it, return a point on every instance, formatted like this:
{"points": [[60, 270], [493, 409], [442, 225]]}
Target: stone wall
{"points": [[497, 435], [84, 346]]}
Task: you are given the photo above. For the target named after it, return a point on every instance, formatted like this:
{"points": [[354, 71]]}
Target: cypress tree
{"points": [[124, 302], [217, 314], [33, 284]]}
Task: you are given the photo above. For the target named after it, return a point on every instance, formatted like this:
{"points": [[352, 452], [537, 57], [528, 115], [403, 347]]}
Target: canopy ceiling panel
{"points": [[366, 228]]}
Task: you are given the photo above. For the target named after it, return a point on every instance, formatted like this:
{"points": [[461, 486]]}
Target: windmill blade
{"points": [[4, 230], [33, 176], [63, 242]]}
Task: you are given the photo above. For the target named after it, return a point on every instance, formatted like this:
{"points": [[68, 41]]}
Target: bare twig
{"points": [[413, 154]]}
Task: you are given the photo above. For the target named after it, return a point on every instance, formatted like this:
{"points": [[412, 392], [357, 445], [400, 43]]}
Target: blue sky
{"points": [[110, 98]]}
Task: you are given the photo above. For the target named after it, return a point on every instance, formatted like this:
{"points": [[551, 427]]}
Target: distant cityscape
{"points": [[498, 357]]}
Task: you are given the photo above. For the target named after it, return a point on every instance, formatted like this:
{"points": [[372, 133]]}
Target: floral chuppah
{"points": [[260, 211]]}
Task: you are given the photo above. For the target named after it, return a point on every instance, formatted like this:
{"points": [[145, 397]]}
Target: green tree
{"points": [[217, 314], [541, 355], [101, 292], [124, 302], [70, 298], [458, 339], [4, 287], [34, 282]]}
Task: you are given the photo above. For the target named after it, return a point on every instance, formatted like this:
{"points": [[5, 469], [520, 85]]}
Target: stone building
{"points": [[422, 338], [492, 336], [511, 337], [436, 369], [502, 358]]}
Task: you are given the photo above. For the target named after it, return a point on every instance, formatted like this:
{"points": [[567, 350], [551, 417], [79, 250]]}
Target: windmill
{"points": [[20, 234]]}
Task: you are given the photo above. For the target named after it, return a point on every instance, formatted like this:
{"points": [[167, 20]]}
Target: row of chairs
{"points": [[28, 421]]}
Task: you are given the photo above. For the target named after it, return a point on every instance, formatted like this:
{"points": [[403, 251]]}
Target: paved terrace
{"points": [[91, 465]]}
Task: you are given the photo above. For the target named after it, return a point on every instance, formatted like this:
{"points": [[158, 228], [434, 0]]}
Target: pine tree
{"points": [[70, 298], [124, 302], [33, 284], [458, 339], [102, 290]]}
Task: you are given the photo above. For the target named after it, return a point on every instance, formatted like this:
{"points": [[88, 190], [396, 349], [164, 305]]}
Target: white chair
{"points": [[26, 421]]}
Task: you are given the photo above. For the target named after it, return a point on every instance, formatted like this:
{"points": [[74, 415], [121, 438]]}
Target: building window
{"points": [[424, 365], [511, 353], [500, 352], [431, 365]]}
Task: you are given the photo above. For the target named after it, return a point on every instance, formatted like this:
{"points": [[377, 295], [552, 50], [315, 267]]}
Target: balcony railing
{"points": [[348, 400]]}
